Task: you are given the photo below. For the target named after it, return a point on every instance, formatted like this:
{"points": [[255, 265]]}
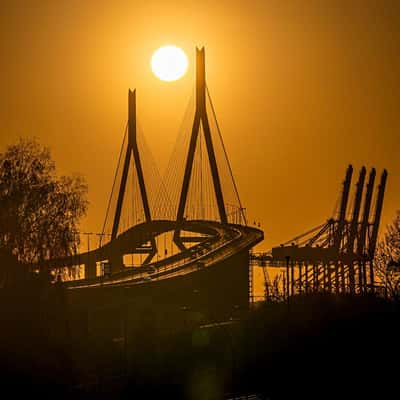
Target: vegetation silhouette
{"points": [[387, 259], [39, 211]]}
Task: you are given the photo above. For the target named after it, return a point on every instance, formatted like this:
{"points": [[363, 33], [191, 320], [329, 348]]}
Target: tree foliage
{"points": [[387, 259], [39, 211]]}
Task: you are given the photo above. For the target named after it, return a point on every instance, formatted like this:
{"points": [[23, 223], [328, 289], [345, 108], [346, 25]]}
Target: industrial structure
{"points": [[336, 256]]}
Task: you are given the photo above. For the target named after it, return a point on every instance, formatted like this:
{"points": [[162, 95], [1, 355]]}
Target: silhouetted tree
{"points": [[39, 211], [387, 259]]}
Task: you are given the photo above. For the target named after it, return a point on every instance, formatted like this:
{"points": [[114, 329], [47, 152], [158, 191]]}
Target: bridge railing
{"points": [[236, 215]]}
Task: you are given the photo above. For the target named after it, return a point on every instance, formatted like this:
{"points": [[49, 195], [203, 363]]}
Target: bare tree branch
{"points": [[39, 211], [387, 259]]}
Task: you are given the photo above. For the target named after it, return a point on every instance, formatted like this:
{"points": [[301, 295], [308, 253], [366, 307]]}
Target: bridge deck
{"points": [[225, 240]]}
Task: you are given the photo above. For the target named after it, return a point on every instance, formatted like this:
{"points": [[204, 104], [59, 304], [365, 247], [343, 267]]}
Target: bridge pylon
{"points": [[132, 149], [200, 119]]}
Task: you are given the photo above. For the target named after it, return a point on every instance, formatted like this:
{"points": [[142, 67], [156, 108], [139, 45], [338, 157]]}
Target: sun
{"points": [[169, 63]]}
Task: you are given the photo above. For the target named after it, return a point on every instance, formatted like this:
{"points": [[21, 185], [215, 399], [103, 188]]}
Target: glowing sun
{"points": [[169, 63]]}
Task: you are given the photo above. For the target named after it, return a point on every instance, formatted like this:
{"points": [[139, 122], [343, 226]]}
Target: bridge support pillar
{"points": [[116, 262], [90, 269]]}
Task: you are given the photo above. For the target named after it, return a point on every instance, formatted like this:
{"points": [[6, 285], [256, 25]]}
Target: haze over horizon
{"points": [[300, 92]]}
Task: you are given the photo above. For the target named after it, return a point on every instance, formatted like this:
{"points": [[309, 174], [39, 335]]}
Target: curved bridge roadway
{"points": [[222, 241]]}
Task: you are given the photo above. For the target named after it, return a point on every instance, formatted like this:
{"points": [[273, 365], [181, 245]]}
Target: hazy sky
{"points": [[301, 90]]}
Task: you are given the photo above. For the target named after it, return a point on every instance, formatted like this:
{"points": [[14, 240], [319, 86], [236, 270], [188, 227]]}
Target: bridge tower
{"points": [[200, 117], [131, 150]]}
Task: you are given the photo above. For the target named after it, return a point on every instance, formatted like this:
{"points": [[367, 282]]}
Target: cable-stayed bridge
{"points": [[181, 234]]}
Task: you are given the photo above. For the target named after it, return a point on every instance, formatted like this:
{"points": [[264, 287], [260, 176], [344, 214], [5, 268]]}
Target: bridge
{"points": [[166, 234]]}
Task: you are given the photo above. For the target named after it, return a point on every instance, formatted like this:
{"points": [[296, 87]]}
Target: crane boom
{"points": [[343, 207], [361, 245], [377, 216], [356, 211]]}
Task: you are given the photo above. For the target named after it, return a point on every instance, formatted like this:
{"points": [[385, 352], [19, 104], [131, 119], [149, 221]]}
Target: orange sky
{"points": [[300, 91]]}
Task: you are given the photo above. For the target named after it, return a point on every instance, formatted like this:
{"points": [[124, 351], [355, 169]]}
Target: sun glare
{"points": [[169, 63]]}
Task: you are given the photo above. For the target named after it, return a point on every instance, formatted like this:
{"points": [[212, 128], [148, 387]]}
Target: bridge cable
{"points": [[114, 182], [226, 155]]}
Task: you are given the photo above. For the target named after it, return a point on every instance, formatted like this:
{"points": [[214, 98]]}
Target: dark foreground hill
{"points": [[316, 347]]}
